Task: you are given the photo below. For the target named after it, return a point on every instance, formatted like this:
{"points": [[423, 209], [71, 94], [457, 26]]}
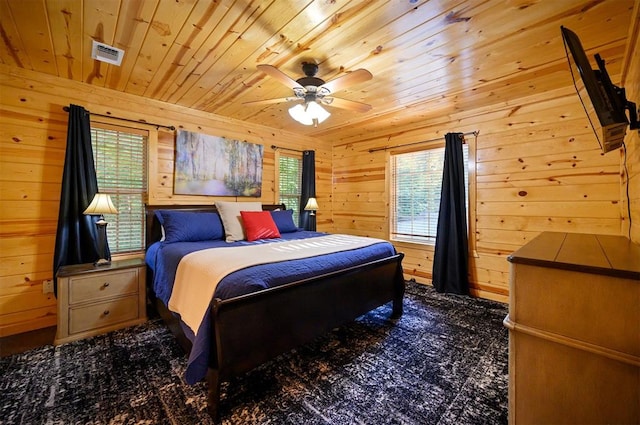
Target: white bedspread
{"points": [[199, 272]]}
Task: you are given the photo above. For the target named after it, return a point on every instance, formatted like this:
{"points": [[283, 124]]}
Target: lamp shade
{"points": [[312, 205], [317, 112], [101, 204], [299, 114], [309, 114]]}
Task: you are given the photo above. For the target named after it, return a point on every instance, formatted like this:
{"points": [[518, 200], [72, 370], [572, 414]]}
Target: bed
{"points": [[243, 330]]}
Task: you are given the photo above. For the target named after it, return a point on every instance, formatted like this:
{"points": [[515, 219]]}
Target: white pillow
{"points": [[232, 220]]}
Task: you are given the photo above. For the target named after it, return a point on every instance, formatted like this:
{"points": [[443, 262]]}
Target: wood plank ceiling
{"points": [[429, 58]]}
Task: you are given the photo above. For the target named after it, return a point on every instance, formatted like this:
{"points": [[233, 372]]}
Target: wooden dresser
{"points": [[97, 299], [574, 330]]}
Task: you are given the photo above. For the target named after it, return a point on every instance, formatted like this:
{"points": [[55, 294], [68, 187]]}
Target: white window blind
{"points": [[416, 185], [121, 168], [290, 184]]}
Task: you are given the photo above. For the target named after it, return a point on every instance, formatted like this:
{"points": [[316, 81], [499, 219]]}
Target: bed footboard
{"points": [[252, 329]]}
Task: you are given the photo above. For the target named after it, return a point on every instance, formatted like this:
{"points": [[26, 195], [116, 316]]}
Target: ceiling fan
{"points": [[313, 91]]}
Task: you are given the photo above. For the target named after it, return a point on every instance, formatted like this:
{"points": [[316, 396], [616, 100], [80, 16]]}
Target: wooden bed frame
{"points": [[252, 329]]}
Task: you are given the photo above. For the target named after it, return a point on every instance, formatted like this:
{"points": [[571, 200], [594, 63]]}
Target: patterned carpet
{"points": [[443, 362]]}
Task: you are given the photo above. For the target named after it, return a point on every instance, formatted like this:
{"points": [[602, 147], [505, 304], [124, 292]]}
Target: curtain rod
{"points": [[475, 133], [274, 147], [170, 127]]}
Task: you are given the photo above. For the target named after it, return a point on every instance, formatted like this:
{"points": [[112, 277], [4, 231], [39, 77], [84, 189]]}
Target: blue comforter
{"points": [[163, 259]]}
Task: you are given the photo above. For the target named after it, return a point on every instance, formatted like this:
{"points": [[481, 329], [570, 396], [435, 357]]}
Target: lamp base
{"points": [[102, 262]]}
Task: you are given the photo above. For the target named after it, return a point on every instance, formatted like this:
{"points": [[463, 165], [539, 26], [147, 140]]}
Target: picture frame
{"points": [[217, 166]]}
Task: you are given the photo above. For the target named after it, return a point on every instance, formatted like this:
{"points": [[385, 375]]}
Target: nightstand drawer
{"points": [[103, 285], [96, 316]]}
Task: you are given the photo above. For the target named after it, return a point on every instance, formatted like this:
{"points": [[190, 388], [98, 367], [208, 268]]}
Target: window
{"points": [[290, 182], [121, 166], [416, 183]]}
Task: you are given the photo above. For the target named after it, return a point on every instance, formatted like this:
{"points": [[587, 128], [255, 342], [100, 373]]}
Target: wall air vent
{"points": [[106, 53]]}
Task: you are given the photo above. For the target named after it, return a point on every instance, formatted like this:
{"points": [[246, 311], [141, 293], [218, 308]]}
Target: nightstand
{"points": [[98, 299]]}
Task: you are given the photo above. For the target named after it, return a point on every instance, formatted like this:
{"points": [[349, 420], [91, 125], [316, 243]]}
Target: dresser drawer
{"points": [[96, 316], [101, 286]]}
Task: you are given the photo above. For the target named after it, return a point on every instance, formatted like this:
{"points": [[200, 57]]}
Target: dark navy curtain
{"points": [[450, 262], [76, 234], [308, 221]]}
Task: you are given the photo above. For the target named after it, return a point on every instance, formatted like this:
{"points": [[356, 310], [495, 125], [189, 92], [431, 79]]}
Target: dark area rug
{"points": [[443, 362]]}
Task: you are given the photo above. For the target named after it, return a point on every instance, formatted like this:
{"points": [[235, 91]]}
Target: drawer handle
{"points": [[105, 285], [105, 313]]}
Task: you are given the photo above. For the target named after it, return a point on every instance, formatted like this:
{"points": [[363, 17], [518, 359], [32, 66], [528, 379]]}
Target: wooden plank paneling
{"points": [[631, 83], [530, 178], [32, 144], [25, 154], [165, 26], [433, 60], [17, 284], [204, 15], [438, 66], [28, 320], [134, 21], [575, 192], [228, 30], [26, 245], [16, 172], [37, 43], [23, 264], [99, 23], [571, 176], [13, 191], [12, 50], [590, 209], [66, 35], [597, 225]]}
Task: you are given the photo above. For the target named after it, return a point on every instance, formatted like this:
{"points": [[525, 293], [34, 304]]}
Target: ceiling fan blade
{"points": [[270, 101], [279, 75], [344, 81], [351, 105]]}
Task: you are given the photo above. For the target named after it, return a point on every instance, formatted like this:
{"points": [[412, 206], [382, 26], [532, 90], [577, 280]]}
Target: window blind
{"points": [[290, 169], [121, 167], [416, 186]]}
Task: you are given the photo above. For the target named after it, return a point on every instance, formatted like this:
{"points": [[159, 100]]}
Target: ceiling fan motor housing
{"points": [[310, 70], [310, 81]]}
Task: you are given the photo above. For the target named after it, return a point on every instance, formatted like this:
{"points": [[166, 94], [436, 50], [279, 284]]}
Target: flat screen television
{"points": [[605, 103]]}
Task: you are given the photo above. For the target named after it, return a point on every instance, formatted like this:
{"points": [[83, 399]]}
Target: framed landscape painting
{"points": [[216, 166]]}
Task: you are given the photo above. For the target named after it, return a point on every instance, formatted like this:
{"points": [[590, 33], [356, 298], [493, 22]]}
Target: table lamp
{"points": [[312, 205], [100, 205]]}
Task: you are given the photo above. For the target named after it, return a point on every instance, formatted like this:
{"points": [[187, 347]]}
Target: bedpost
{"points": [[213, 401], [399, 286]]}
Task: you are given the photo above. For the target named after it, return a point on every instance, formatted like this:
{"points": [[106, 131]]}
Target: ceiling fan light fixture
{"points": [[311, 113], [310, 93], [315, 111], [299, 114]]}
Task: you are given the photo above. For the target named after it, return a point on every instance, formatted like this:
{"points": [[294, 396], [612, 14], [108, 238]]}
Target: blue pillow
{"points": [[160, 217], [284, 221], [188, 226]]}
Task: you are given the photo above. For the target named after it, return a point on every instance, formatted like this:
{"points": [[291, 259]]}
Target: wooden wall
{"points": [[631, 82], [32, 147], [538, 168]]}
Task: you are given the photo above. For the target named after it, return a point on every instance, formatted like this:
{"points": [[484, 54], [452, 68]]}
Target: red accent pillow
{"points": [[259, 225]]}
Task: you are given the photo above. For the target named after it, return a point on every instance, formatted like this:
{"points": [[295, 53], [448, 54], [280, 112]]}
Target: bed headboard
{"points": [[153, 232]]}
